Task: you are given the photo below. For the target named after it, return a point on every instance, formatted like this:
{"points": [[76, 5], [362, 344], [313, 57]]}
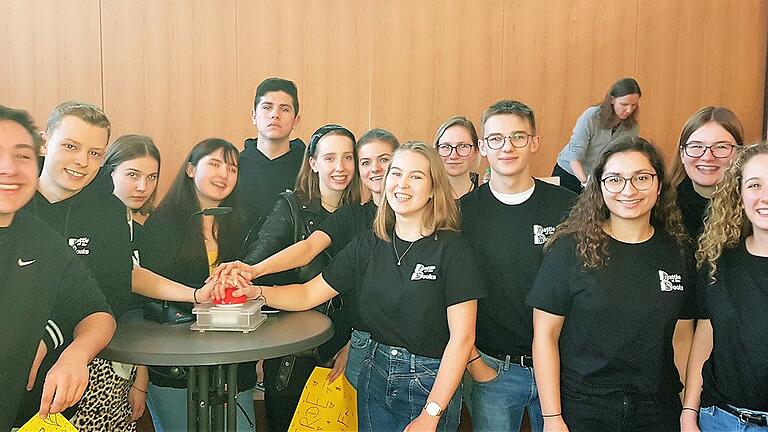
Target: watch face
{"points": [[433, 409]]}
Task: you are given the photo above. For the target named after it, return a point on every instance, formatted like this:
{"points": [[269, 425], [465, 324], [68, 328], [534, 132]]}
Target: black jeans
{"points": [[281, 397], [621, 412], [567, 180]]}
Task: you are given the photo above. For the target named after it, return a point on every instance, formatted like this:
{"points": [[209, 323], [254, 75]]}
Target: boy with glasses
{"points": [[507, 221]]}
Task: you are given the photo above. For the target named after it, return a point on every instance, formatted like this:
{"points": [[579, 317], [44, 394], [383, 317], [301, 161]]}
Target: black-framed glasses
{"points": [[639, 181], [517, 139], [720, 150], [462, 149]]}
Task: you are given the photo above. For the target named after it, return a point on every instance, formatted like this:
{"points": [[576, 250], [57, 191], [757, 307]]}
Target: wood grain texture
{"points": [[698, 53], [321, 45], [434, 59], [51, 52], [560, 57], [170, 73], [185, 70]]}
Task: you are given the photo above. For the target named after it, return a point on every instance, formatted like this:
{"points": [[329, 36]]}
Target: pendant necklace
{"points": [[400, 257]]}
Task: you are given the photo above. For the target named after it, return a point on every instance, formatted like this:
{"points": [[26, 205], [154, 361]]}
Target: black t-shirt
{"points": [[40, 277], [342, 226], [261, 180], [346, 223], [507, 241], [620, 318], [737, 305], [406, 305], [693, 207]]}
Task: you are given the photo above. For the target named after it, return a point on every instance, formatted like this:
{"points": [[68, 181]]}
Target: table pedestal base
{"points": [[212, 398]]}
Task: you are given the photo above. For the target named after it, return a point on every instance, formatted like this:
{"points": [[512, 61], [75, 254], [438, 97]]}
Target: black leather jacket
{"points": [[283, 228]]}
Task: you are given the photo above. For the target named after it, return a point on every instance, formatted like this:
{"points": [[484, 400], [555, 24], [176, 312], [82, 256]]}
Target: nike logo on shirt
{"points": [[23, 263]]}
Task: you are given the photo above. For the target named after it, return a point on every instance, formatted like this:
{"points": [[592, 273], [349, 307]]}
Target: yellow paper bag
{"points": [[326, 406], [52, 423]]}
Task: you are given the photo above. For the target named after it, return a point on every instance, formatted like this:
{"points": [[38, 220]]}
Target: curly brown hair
{"points": [[589, 215], [726, 224]]}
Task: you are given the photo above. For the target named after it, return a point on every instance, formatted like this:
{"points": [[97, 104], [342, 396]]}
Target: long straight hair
{"points": [[622, 87], [308, 182], [130, 147], [181, 203]]}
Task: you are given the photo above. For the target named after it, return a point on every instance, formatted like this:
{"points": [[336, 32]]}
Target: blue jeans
{"points": [[359, 345], [715, 419], [393, 388], [499, 404], [168, 407]]}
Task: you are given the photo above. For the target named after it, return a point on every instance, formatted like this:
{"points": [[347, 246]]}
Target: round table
{"points": [[138, 341]]}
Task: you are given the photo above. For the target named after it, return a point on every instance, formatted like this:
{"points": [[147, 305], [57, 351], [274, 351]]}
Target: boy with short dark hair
{"points": [[507, 221], [43, 277], [270, 163]]}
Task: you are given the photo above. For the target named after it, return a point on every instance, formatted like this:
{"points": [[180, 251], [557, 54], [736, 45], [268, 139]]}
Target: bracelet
{"points": [[261, 295], [478, 356], [691, 409], [143, 391], [194, 295], [552, 415]]}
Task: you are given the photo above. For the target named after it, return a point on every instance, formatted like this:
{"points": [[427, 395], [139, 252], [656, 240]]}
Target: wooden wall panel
{"points": [[321, 45], [691, 57], [561, 56], [170, 72], [51, 52], [434, 59]]}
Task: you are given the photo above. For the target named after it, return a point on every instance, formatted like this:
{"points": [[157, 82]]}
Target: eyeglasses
{"points": [[517, 139], [462, 149], [639, 181], [719, 150]]}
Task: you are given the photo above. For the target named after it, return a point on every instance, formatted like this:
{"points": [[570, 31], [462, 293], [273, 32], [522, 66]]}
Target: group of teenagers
{"points": [[591, 305]]}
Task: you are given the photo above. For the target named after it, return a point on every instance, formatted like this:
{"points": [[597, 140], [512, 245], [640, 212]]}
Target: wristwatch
{"points": [[433, 409]]}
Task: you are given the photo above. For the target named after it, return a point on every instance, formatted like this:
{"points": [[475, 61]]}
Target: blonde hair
{"points": [[726, 224], [441, 214]]}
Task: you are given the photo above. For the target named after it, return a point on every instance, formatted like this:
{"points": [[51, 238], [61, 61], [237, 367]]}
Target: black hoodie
{"points": [[94, 223], [261, 180]]}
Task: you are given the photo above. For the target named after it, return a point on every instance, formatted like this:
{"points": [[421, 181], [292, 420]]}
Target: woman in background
{"points": [[598, 126], [456, 142]]}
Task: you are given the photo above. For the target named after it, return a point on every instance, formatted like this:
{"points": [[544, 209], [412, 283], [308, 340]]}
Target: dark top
{"points": [[737, 305], [406, 305], [342, 227], [693, 207], [40, 277], [278, 232], [507, 241], [93, 223], [260, 179], [347, 222], [620, 318], [159, 254]]}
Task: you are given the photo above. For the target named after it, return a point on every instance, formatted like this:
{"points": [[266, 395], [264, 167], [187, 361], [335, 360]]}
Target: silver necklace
{"points": [[400, 257]]}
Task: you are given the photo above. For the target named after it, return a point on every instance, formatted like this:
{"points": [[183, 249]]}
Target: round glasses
{"points": [[639, 181], [720, 150], [517, 139], [462, 149]]}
